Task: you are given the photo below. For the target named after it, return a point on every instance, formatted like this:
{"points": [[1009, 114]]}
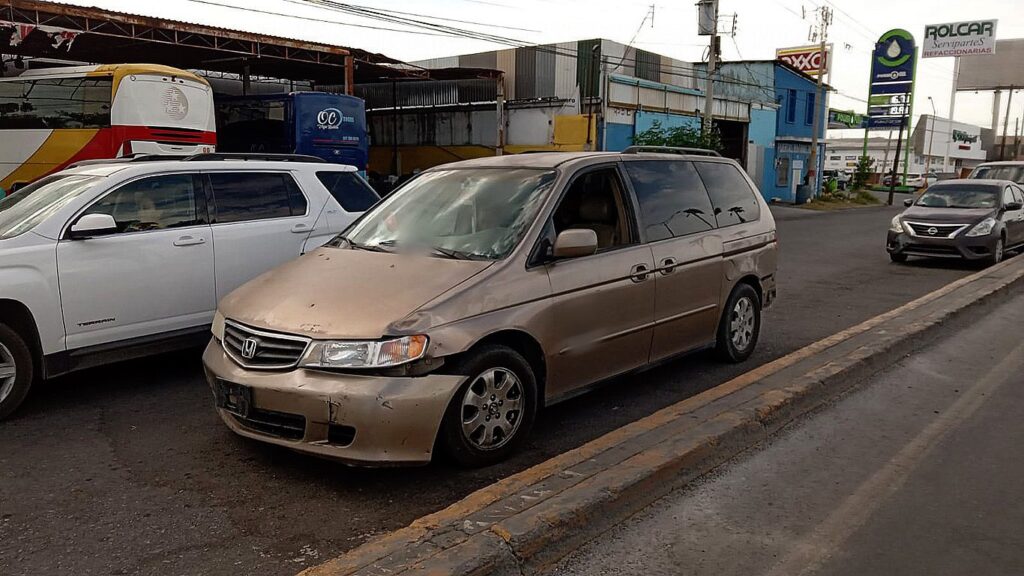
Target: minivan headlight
{"points": [[896, 226], [366, 353], [983, 228], [218, 326]]}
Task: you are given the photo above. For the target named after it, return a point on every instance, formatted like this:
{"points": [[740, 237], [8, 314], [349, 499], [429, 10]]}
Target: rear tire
{"points": [[17, 370], [740, 326], [897, 258], [492, 413]]}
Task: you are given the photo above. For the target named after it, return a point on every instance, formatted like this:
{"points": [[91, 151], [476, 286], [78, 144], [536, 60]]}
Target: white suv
{"points": [[114, 260]]}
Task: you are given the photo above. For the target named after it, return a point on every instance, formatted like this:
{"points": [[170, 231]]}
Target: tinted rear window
{"points": [[256, 196], [673, 201], [733, 198], [349, 190]]}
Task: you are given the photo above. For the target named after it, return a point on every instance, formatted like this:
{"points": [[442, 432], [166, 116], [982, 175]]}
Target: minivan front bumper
{"points": [[364, 420]]}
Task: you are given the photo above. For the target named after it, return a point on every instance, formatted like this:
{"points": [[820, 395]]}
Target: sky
{"points": [[762, 26]]}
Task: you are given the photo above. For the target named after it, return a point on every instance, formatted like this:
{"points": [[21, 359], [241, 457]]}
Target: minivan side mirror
{"points": [[574, 243], [91, 225], [1013, 206], [908, 202]]}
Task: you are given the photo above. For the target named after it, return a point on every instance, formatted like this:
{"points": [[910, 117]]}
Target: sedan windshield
{"points": [[1004, 172], [23, 210], [465, 213], [960, 197]]}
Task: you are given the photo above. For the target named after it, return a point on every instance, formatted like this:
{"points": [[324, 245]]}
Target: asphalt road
{"points": [[917, 472], [127, 470]]}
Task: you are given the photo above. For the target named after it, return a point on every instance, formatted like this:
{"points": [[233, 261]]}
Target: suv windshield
{"points": [[23, 210], [960, 197], [1010, 172], [479, 213]]}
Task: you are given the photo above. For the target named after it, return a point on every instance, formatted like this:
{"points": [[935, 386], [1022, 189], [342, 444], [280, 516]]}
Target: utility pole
{"points": [[931, 138], [824, 20], [1006, 122], [707, 25], [952, 108]]}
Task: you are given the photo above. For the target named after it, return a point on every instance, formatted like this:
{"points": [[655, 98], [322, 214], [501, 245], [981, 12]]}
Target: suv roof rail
{"points": [[671, 150], [126, 159], [206, 157]]}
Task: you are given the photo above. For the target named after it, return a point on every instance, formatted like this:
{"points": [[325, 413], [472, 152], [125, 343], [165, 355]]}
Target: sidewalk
{"points": [[918, 472]]}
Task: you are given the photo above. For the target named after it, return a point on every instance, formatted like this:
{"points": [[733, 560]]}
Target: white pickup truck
{"points": [[114, 260]]}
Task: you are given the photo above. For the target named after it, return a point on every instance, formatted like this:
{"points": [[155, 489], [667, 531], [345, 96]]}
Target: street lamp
{"points": [[931, 137]]}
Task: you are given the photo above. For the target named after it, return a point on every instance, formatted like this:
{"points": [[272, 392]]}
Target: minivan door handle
{"points": [[639, 272], [300, 228], [189, 240], [668, 266]]}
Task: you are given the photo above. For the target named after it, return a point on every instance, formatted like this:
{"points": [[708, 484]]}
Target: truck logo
{"points": [[332, 119]]}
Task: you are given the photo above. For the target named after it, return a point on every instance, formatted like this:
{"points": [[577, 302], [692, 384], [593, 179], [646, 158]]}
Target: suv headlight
{"points": [[896, 226], [366, 353], [983, 228]]}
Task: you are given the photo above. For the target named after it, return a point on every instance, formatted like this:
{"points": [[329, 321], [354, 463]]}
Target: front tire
{"points": [[492, 413], [16, 370], [740, 326], [998, 253]]}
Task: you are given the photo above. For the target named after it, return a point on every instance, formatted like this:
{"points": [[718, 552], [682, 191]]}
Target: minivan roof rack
{"points": [[212, 156], [671, 150]]}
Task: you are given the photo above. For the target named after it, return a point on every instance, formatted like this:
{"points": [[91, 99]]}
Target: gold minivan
{"points": [[481, 291]]}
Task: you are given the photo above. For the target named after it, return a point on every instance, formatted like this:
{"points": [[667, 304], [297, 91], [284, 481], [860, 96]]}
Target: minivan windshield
{"points": [[467, 213], [960, 196], [1012, 172], [23, 210]]}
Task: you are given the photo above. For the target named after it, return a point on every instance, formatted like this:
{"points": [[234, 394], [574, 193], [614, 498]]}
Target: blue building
{"points": [[783, 103]]}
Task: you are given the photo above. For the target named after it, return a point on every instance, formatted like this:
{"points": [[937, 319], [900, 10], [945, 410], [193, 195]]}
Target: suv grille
{"points": [[265, 350], [935, 230]]}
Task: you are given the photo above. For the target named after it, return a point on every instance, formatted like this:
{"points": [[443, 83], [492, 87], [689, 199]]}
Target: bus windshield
{"points": [[55, 103], [23, 210]]}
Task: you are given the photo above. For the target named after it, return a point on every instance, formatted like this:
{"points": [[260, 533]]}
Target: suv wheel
{"points": [[493, 411], [16, 370], [740, 325]]}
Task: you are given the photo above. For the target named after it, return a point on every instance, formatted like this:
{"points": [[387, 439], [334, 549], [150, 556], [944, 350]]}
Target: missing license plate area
{"points": [[235, 398]]}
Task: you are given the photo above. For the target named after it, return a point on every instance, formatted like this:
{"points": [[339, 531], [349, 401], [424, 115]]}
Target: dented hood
{"points": [[341, 293]]}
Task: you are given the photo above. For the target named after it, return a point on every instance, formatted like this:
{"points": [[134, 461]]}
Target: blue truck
{"points": [[328, 126]]}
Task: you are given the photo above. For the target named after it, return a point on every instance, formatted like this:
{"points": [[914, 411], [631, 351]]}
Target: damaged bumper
{"points": [[368, 420]]}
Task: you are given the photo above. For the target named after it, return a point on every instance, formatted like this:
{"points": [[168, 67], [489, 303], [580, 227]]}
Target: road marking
{"points": [[818, 546]]}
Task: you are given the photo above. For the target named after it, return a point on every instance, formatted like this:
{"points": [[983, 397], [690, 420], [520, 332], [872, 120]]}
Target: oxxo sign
{"points": [[807, 59], [959, 39], [332, 119]]}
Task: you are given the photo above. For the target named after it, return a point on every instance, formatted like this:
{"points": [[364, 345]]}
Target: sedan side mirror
{"points": [[574, 243], [1013, 206], [908, 202], [91, 225]]}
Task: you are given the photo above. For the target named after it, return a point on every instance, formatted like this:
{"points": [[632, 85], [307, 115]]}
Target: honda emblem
{"points": [[249, 348]]}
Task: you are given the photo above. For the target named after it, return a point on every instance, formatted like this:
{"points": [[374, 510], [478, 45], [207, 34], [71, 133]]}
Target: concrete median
{"points": [[525, 523]]}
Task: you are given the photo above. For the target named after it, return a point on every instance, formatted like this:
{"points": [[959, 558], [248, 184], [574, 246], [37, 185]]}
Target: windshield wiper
{"points": [[367, 247], [455, 254]]}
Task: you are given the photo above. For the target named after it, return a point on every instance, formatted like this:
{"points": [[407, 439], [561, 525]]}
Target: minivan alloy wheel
{"points": [[8, 372], [741, 324], [492, 409]]}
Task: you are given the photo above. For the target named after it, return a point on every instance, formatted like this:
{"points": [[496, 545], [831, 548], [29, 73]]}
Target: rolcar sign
{"points": [[959, 39]]}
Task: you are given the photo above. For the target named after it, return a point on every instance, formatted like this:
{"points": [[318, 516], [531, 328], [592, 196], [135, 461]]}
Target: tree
{"points": [[861, 174], [679, 136]]}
